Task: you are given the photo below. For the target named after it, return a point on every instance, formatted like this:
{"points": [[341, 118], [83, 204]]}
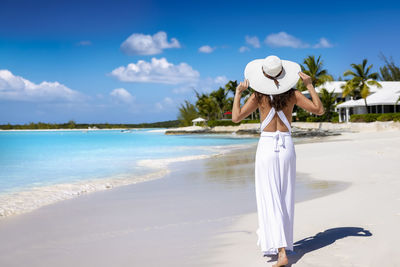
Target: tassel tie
{"points": [[273, 77]]}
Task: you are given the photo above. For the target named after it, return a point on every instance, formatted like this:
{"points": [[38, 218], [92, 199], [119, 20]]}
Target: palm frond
{"points": [[373, 82], [348, 73]]}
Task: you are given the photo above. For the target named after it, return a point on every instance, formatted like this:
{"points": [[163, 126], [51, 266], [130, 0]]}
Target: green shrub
{"points": [[371, 117], [335, 118], [213, 123], [312, 119], [396, 116], [302, 115], [385, 117], [251, 121]]}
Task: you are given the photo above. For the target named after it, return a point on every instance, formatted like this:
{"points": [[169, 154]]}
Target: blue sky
{"points": [[137, 61]]}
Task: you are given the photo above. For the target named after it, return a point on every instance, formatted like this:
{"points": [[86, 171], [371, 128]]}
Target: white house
{"points": [[381, 100]]}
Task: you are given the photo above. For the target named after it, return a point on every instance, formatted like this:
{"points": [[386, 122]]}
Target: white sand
{"points": [[358, 226]]}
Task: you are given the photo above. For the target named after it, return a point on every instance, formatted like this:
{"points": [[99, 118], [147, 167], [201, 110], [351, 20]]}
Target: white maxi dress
{"points": [[275, 177]]}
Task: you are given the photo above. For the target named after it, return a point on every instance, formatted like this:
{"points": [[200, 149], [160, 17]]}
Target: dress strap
{"points": [[269, 117], [285, 120], [267, 120]]}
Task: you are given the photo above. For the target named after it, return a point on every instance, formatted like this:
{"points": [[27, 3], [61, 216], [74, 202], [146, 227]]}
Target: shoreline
{"points": [[30, 199]]}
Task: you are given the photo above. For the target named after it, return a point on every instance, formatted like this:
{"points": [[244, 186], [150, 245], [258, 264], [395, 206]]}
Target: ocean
{"points": [[42, 167]]}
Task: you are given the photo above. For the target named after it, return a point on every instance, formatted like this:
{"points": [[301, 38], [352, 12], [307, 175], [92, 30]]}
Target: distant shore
{"points": [[299, 129], [252, 128]]}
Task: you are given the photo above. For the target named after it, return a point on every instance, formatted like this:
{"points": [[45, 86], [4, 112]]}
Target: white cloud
{"points": [[156, 71], [323, 43], [120, 94], [167, 102], [142, 44], [85, 43], [183, 89], [204, 85], [14, 87], [206, 49], [282, 39], [243, 49], [220, 80], [159, 106], [253, 41]]}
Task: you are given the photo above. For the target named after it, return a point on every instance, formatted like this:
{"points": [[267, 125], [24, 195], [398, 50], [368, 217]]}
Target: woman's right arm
{"points": [[315, 106]]}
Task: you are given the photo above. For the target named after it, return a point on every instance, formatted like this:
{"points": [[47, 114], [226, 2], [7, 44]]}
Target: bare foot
{"points": [[282, 261]]}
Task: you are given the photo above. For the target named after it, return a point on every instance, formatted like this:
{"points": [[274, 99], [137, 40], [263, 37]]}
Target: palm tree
{"points": [[314, 69], [357, 86], [206, 106], [231, 87], [220, 99], [187, 113], [328, 101], [389, 72]]}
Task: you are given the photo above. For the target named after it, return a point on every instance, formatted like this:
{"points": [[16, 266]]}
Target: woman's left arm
{"points": [[251, 105]]}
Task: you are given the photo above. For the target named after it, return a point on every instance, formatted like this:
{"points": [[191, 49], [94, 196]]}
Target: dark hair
{"points": [[278, 101]]}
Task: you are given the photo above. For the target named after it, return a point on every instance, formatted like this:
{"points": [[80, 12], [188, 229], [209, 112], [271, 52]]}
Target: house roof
{"points": [[335, 86], [387, 95]]}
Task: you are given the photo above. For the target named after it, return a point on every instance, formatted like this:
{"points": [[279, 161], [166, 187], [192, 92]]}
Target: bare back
{"points": [[276, 123]]}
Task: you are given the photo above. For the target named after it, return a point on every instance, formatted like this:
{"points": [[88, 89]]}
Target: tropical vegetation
{"points": [[73, 125], [319, 76], [187, 113], [212, 106], [375, 117], [315, 69], [362, 78], [389, 72]]}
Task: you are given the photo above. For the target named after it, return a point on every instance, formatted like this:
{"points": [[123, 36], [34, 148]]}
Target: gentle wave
{"points": [[36, 197]]}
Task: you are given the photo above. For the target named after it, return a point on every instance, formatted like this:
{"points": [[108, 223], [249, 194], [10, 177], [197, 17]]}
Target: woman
{"points": [[275, 166]]}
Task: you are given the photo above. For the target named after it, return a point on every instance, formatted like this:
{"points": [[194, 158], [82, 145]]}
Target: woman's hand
{"points": [[242, 86], [306, 79]]}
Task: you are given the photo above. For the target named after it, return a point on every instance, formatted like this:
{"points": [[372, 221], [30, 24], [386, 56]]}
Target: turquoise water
{"points": [[41, 158]]}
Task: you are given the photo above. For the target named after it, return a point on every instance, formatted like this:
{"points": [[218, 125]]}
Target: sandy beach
{"points": [[203, 213], [358, 226]]}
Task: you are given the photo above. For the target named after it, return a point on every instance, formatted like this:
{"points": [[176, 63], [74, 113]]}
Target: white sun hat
{"points": [[271, 75]]}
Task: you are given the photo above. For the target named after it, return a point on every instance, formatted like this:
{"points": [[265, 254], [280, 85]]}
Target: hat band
{"points": [[273, 77]]}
